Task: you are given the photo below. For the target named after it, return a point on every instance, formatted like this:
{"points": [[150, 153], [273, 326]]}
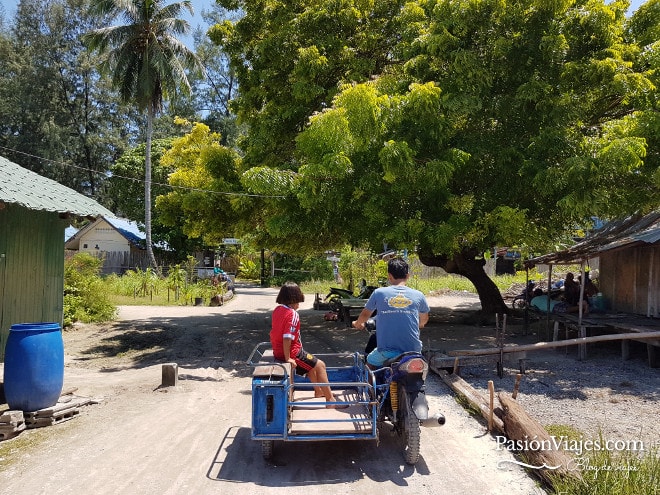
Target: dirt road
{"points": [[195, 438]]}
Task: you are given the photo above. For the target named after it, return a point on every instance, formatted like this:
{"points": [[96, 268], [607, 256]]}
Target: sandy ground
{"points": [[142, 438]]}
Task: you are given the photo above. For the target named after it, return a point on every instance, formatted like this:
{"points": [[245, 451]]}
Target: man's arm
{"points": [[423, 319], [364, 316]]}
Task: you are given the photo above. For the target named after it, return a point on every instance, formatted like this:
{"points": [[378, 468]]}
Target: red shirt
{"points": [[285, 325]]}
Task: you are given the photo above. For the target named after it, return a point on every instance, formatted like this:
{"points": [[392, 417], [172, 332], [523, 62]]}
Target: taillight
{"points": [[416, 365]]}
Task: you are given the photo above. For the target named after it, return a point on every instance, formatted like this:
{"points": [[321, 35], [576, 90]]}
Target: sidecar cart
{"points": [[284, 408]]}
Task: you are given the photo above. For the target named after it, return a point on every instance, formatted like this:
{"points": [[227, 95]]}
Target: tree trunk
{"points": [[469, 266], [521, 427], [147, 189]]}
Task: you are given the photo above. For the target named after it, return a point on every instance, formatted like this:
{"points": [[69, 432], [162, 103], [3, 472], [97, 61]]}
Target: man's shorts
{"points": [[377, 358], [305, 362]]}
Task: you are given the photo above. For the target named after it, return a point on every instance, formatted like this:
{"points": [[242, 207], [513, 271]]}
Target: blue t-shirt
{"points": [[398, 309]]}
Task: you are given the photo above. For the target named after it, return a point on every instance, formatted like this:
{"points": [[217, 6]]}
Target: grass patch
{"points": [[564, 431], [426, 285], [608, 467]]}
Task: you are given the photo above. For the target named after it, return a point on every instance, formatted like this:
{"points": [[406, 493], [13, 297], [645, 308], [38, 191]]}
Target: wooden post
{"points": [[652, 352], [490, 351], [491, 392], [515, 387], [547, 313], [170, 375]]}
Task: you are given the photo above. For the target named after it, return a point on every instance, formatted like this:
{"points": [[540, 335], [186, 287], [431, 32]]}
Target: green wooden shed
{"points": [[34, 211]]}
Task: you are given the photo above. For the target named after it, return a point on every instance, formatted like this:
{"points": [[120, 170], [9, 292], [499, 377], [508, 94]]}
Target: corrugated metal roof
{"points": [[636, 229], [21, 186]]}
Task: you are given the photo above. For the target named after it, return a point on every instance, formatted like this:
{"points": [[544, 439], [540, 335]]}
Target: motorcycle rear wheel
{"points": [[518, 303], [410, 429]]}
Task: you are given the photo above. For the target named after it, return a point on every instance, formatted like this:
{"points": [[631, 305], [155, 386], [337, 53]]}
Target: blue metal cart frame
{"points": [[284, 408]]}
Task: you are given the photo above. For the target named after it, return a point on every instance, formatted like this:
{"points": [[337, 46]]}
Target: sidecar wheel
{"points": [[411, 433], [267, 447]]}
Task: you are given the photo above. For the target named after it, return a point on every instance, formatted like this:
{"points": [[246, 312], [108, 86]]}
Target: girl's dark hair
{"points": [[290, 293]]}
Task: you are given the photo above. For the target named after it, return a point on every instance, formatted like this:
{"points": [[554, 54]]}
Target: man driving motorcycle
{"points": [[402, 311]]}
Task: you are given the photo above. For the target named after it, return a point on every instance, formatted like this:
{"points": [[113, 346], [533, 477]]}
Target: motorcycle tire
{"points": [[518, 303], [410, 429]]}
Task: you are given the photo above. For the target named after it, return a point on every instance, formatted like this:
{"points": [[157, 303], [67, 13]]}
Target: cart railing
{"points": [[307, 417]]}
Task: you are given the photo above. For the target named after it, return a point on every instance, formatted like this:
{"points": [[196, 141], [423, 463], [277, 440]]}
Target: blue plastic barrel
{"points": [[34, 366]]}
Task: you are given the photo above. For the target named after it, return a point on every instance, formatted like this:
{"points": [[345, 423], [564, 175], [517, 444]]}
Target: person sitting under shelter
{"points": [[543, 302], [572, 295]]}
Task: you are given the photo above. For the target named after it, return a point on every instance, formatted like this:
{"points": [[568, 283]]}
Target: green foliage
{"points": [[56, 110], [358, 264], [299, 269], [206, 181], [498, 124], [126, 184], [248, 269], [85, 299]]}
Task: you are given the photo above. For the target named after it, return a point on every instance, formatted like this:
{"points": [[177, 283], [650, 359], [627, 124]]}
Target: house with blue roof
{"points": [[119, 241]]}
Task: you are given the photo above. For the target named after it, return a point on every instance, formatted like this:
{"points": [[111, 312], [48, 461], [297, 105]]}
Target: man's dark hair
{"points": [[290, 293], [398, 268]]}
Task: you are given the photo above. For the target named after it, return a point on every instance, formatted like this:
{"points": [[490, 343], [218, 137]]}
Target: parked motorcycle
{"points": [[523, 299], [401, 395], [336, 294]]}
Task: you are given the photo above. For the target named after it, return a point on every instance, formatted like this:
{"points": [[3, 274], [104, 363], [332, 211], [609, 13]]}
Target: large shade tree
{"points": [[445, 126], [147, 62]]}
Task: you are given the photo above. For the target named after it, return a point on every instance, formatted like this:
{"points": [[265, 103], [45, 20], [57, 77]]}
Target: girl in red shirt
{"points": [[287, 346]]}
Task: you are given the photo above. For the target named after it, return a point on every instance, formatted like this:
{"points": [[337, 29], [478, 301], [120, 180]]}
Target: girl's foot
{"points": [[341, 405]]}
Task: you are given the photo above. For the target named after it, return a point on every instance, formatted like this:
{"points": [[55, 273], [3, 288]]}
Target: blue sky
{"points": [[199, 5]]}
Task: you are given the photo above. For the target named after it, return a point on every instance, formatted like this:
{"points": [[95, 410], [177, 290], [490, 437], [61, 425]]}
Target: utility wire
{"points": [[185, 188]]}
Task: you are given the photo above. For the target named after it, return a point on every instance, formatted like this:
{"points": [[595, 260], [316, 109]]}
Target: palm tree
{"points": [[146, 61]]}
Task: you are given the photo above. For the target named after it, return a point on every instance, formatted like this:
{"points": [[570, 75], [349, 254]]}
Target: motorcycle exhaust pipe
{"points": [[435, 420]]}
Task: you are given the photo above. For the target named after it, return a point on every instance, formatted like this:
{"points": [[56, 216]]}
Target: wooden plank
{"points": [[59, 407], [560, 343], [10, 431], [268, 370], [310, 416], [38, 422]]}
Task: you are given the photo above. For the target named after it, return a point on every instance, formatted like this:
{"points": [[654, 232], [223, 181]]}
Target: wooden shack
{"points": [[628, 253], [34, 212]]}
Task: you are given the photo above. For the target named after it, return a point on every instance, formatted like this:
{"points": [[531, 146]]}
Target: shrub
{"points": [[85, 298]]}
